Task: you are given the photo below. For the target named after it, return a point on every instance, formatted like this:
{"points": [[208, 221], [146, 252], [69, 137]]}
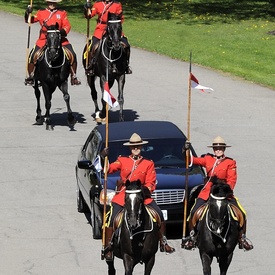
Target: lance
{"points": [[105, 173], [88, 36], [187, 154], [28, 41]]}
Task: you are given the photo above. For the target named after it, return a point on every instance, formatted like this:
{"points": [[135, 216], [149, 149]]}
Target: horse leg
{"points": [[224, 263], [149, 266], [120, 98], [206, 263], [111, 268], [48, 104], [91, 83], [39, 118], [128, 264], [64, 88]]}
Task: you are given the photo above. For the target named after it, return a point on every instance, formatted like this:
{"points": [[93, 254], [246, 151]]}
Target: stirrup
{"points": [[29, 81], [189, 242], [245, 243], [75, 81], [128, 70], [189, 245], [165, 247]]}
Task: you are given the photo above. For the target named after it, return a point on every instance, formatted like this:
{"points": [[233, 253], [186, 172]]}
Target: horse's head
{"points": [[53, 42], [218, 205], [133, 204], [114, 30]]}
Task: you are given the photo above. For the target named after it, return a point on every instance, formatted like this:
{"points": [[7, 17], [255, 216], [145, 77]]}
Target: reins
{"points": [[208, 221]]}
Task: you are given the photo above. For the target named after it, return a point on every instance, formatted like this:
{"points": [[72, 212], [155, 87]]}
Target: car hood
{"points": [[168, 178]]}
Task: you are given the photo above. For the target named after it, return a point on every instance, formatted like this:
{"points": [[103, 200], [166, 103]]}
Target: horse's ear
{"points": [[138, 183], [127, 183], [56, 26], [214, 180]]}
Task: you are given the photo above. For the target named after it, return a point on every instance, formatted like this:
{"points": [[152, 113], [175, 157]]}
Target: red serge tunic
{"points": [[131, 169], [224, 168], [101, 9], [48, 17]]}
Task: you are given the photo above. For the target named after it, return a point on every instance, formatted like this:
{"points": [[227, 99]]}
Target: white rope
{"points": [[55, 67], [109, 59]]}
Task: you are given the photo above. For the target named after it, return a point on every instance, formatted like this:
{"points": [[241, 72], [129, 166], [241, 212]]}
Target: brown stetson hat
{"points": [[135, 139], [218, 142]]}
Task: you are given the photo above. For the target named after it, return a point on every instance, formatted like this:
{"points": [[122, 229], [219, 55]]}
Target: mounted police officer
{"points": [[47, 17], [223, 168], [134, 167], [101, 8]]}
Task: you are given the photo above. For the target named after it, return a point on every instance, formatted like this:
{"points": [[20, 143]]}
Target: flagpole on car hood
{"points": [[187, 154]]}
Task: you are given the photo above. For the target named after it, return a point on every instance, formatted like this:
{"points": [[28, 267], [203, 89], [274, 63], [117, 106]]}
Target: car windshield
{"points": [[164, 152]]}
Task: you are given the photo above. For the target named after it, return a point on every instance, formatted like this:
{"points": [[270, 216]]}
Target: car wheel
{"points": [[82, 207], [96, 220]]}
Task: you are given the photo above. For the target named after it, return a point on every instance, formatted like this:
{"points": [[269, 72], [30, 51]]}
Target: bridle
{"points": [[134, 193], [56, 48], [212, 222], [111, 47]]}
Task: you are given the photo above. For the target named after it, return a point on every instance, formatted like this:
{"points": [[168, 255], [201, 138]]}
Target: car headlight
{"points": [[109, 196]]}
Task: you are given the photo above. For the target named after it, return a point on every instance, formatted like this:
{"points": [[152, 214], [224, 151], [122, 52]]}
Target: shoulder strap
{"points": [[99, 19]]}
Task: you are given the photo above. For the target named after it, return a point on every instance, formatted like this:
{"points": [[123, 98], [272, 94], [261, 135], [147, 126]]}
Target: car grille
{"points": [[168, 196]]}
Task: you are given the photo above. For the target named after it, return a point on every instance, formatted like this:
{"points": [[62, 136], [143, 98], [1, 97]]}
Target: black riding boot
{"points": [[189, 243], [108, 253], [29, 80], [74, 79], [90, 70], [128, 68], [164, 246], [244, 243]]}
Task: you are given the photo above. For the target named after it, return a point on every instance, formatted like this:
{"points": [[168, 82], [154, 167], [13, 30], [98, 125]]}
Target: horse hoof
{"points": [[71, 120], [39, 120], [100, 120]]}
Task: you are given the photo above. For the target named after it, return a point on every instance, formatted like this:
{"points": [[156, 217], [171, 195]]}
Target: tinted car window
{"points": [[166, 152], [92, 146]]}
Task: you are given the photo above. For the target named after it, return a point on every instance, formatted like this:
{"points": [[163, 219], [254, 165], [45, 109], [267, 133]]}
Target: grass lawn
{"points": [[226, 35]]}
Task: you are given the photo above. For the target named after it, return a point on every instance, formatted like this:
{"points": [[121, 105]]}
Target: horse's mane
{"points": [[220, 188]]}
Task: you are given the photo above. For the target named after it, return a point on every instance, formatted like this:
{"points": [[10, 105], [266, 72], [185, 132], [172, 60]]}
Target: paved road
{"points": [[40, 229]]}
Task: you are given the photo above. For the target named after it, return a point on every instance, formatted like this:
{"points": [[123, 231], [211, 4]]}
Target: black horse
{"points": [[136, 240], [52, 71], [217, 232], [110, 65]]}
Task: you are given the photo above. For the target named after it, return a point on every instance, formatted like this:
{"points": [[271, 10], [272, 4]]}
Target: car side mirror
{"points": [[85, 164]]}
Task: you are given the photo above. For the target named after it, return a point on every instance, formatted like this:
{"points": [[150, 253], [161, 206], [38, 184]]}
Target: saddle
{"points": [[38, 55], [235, 213], [69, 55]]}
